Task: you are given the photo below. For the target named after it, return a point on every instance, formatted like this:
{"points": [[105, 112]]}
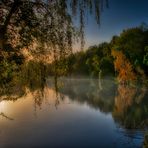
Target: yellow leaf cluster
{"points": [[123, 67]]}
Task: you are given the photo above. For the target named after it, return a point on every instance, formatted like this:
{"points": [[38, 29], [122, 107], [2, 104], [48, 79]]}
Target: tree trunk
{"points": [[2, 38], [3, 28], [100, 85]]}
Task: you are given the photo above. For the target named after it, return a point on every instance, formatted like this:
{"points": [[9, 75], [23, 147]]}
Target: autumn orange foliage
{"points": [[123, 67]]}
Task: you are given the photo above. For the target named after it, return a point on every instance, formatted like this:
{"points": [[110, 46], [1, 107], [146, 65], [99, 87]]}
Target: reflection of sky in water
{"points": [[70, 124]]}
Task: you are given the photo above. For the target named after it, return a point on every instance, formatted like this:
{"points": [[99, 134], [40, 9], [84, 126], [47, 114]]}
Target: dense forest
{"points": [[124, 57], [29, 28], [37, 28]]}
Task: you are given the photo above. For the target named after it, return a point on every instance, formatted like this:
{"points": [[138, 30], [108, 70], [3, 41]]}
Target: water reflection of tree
{"points": [[5, 116], [87, 91], [128, 104], [131, 107], [32, 79]]}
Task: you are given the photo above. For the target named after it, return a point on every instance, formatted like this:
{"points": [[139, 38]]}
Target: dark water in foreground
{"points": [[77, 113]]}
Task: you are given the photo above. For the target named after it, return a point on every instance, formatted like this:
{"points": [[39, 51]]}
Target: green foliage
{"points": [[48, 23], [93, 65], [43, 27], [132, 43], [10, 65], [99, 59], [145, 58], [7, 71], [33, 75], [89, 63]]}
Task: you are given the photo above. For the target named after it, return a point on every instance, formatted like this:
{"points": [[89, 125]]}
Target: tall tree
{"points": [[44, 24]]}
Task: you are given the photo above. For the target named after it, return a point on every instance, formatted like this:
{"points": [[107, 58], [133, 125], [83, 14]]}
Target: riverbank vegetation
{"points": [[124, 57], [30, 29]]}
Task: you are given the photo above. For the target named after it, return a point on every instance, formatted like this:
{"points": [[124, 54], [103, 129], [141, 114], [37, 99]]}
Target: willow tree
{"points": [[45, 25]]}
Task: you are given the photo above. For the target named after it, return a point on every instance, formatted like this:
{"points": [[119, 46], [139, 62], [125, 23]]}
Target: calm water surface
{"points": [[77, 113]]}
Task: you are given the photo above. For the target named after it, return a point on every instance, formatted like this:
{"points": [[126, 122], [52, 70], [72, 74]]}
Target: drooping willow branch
{"points": [[47, 23]]}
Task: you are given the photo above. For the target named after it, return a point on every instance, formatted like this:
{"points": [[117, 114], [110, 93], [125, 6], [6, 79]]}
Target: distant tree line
{"points": [[125, 56]]}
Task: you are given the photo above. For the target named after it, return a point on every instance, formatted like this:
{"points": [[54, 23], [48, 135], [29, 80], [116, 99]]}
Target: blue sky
{"points": [[120, 15]]}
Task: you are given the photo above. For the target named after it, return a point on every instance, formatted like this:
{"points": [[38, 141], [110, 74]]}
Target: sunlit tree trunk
{"points": [[100, 84]]}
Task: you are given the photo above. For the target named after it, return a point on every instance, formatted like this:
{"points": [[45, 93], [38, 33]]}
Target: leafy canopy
{"points": [[45, 24]]}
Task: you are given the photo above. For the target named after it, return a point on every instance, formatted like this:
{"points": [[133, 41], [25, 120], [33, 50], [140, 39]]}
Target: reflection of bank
{"points": [[128, 105], [146, 140], [5, 116], [86, 91], [3, 108], [131, 107]]}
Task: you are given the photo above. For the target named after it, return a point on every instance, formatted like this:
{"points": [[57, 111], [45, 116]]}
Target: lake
{"points": [[74, 113]]}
